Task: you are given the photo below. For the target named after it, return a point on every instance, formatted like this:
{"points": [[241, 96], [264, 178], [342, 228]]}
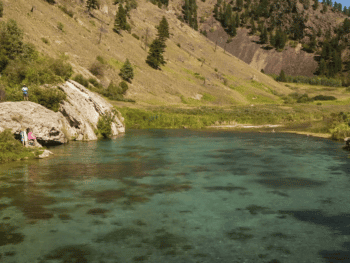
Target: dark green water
{"points": [[179, 196]]}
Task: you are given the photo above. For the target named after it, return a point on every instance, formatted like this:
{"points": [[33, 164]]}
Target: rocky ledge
{"points": [[76, 119]]}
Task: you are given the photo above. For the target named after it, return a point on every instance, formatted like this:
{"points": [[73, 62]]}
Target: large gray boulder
{"points": [[77, 117]]}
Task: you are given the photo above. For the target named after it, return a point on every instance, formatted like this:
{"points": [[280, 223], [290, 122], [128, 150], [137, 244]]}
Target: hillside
{"points": [[305, 39], [194, 73]]}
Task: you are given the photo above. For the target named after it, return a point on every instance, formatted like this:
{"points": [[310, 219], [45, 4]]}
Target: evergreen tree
{"points": [[313, 43], [92, 4], [272, 39], [319, 32], [155, 54], [232, 28], [216, 12], [326, 50], [1, 9], [238, 21], [298, 27], [120, 22], [227, 15], [127, 72], [163, 30], [322, 68], [253, 28], [337, 62], [282, 76], [247, 4], [324, 9], [189, 10], [315, 5], [263, 36], [239, 5], [346, 26]]}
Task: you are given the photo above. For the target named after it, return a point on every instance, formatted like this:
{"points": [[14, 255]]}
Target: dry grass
{"points": [[79, 42]]}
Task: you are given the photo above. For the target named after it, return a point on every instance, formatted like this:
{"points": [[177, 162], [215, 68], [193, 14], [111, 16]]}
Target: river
{"points": [[179, 196]]}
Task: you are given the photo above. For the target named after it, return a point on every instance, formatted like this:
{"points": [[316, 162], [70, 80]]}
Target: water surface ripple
{"points": [[179, 196]]}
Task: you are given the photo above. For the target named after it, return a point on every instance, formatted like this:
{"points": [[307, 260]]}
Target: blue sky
{"points": [[343, 2]]}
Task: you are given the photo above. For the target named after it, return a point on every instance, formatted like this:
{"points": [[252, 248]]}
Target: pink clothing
{"points": [[31, 136]]}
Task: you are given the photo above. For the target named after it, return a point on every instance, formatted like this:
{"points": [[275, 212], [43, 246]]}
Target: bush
{"points": [[2, 93], [101, 60], [322, 97], [12, 150], [124, 86], [81, 80], [104, 125], [340, 132], [60, 26], [135, 36], [127, 72], [45, 40], [1, 9], [49, 98], [178, 44], [52, 2], [95, 83], [97, 69], [65, 10]]}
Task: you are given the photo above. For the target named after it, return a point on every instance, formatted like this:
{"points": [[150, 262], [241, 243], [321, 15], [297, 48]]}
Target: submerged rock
{"points": [[76, 119], [45, 154]]}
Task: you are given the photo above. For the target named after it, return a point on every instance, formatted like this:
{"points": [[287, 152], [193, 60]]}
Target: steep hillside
{"points": [[306, 28], [195, 73]]}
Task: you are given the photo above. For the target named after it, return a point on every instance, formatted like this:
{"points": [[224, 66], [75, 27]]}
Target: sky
{"points": [[343, 2]]}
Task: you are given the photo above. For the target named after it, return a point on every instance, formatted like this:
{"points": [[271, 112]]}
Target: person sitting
{"points": [[31, 137]]}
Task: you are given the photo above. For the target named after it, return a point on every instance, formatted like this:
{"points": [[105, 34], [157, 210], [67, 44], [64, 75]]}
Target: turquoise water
{"points": [[179, 196]]}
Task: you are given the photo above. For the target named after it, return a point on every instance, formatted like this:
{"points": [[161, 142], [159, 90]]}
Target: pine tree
{"points": [[155, 54], [282, 76], [232, 28], [253, 28], [216, 12], [1, 9], [91, 4], [163, 30], [239, 5], [337, 62], [238, 20], [227, 16], [315, 5], [127, 72], [346, 25], [272, 39], [120, 22], [263, 36], [322, 68]]}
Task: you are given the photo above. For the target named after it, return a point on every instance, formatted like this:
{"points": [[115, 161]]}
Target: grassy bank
{"points": [[306, 118], [12, 150]]}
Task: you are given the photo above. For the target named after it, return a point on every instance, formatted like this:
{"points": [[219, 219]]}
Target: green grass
{"points": [[115, 63], [208, 97]]}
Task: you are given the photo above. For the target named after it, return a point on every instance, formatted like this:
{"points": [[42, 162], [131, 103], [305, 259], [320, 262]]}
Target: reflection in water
{"points": [[179, 196]]}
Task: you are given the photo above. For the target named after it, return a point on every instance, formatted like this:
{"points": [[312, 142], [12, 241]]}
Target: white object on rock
{"points": [[45, 154]]}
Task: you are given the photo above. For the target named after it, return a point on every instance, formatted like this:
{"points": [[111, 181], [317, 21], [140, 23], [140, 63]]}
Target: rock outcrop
{"points": [[76, 119]]}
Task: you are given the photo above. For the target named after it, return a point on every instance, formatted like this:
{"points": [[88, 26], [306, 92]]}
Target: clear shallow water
{"points": [[179, 196]]}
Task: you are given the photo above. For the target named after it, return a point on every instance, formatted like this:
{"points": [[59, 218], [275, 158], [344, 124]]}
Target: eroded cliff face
{"points": [[77, 117], [293, 61]]}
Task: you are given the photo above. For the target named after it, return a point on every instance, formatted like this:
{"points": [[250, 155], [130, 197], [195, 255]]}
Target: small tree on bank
{"points": [[120, 22], [282, 76]]}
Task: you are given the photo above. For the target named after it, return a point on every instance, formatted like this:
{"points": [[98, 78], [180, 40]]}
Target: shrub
{"points": [[95, 83], [178, 44], [2, 93], [48, 97], [12, 150], [322, 97], [81, 80], [1, 9], [127, 72], [60, 26], [45, 40], [52, 2], [101, 60], [340, 132], [104, 125], [135, 36], [97, 69], [65, 10], [124, 86]]}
